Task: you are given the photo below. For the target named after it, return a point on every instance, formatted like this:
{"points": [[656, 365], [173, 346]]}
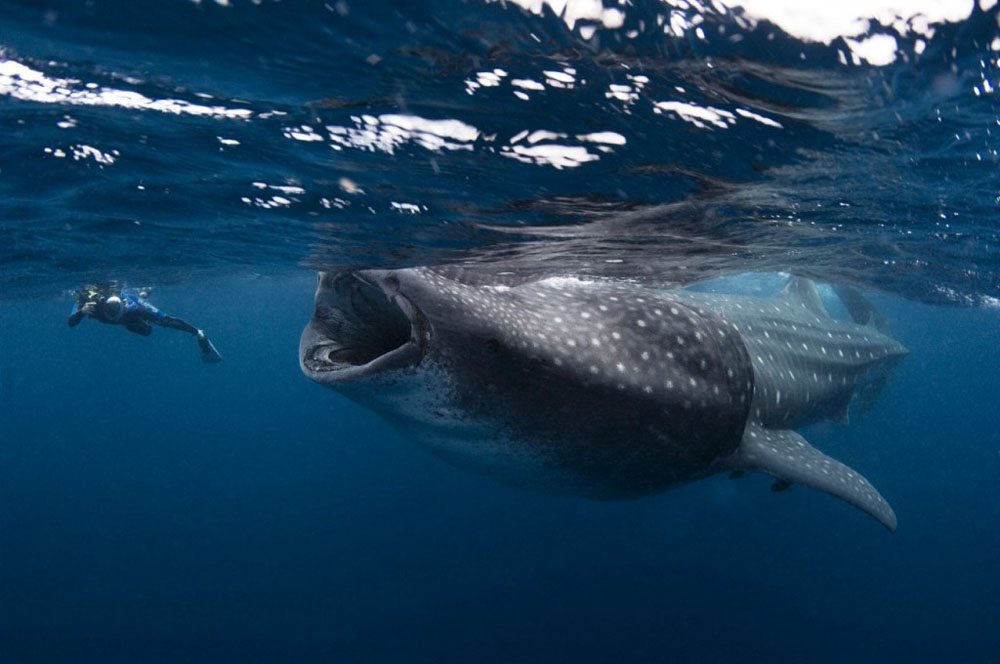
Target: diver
{"points": [[121, 306]]}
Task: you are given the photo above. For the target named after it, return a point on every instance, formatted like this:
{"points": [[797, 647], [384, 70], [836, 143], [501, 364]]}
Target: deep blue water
{"points": [[156, 509]]}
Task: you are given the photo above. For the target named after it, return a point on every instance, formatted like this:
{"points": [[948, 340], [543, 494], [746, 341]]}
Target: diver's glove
{"points": [[208, 353]]}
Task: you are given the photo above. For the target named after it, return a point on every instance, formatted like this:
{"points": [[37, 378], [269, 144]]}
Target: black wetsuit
{"points": [[137, 315]]}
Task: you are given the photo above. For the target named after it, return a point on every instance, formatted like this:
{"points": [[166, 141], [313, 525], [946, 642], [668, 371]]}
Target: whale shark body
{"points": [[600, 388]]}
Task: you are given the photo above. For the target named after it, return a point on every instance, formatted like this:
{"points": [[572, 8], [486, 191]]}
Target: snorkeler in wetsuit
{"points": [[117, 306]]}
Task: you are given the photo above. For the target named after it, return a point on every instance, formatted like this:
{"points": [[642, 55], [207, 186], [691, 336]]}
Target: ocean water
{"points": [[154, 509]]}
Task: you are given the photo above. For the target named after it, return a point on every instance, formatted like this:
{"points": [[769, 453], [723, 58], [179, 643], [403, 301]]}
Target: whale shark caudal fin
{"points": [[787, 456]]}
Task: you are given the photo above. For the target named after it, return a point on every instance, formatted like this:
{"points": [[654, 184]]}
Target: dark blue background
{"points": [[153, 509]]}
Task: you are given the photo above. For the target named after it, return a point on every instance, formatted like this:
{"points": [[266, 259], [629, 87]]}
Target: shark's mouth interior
{"points": [[357, 329]]}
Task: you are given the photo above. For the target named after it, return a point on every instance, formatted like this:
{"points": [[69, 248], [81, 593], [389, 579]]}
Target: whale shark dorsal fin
{"points": [[802, 292], [787, 456]]}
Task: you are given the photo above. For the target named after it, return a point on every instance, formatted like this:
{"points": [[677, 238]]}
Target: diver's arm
{"points": [[77, 313]]}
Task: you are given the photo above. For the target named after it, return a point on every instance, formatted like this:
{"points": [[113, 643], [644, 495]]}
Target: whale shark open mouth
{"points": [[362, 326]]}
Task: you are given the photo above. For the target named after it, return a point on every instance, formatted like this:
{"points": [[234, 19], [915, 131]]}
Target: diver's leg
{"points": [[177, 324], [208, 352]]}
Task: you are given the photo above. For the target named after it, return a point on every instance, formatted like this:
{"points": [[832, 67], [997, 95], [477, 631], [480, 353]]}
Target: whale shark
{"points": [[598, 387]]}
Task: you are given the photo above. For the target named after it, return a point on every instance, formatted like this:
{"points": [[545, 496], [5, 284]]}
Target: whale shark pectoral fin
{"points": [[787, 456]]}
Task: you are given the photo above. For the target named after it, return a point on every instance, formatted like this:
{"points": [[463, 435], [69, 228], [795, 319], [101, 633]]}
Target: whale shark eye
{"points": [[492, 345]]}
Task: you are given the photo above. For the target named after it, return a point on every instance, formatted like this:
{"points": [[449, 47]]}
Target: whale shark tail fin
{"points": [[802, 292], [787, 456]]}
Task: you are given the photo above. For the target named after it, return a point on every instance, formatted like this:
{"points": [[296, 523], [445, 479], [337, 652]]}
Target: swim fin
{"points": [[209, 354]]}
